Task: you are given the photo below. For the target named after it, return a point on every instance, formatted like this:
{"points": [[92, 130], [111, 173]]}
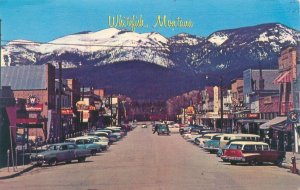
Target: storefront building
{"points": [[39, 91]]}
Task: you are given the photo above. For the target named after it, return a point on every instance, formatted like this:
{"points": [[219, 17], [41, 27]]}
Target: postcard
{"points": [[149, 94]]}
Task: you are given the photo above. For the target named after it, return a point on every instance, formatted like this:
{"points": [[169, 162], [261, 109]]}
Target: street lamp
{"points": [[222, 109]]}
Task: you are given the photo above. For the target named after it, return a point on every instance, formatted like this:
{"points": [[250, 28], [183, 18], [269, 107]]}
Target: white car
{"points": [[206, 137], [174, 128], [97, 140]]}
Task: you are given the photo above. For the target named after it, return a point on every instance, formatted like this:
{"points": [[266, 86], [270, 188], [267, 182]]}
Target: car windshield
{"points": [[53, 147], [162, 126], [216, 138]]}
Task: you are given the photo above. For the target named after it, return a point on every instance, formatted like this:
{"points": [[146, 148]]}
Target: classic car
{"points": [[97, 140], [85, 143], [111, 136], [213, 145], [116, 131], [206, 137], [252, 153], [221, 149], [111, 139], [163, 129], [62, 152]]}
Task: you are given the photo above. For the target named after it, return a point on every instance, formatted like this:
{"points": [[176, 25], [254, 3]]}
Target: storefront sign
{"points": [[268, 100], [253, 115], [67, 112], [248, 116], [190, 110], [92, 108], [294, 117], [37, 107], [81, 106], [33, 104]]}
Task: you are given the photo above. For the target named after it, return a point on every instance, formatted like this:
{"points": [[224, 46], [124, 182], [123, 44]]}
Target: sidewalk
{"points": [[5, 174], [287, 163]]}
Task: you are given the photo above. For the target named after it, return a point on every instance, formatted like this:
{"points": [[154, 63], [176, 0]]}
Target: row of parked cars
{"points": [[79, 148], [233, 148]]}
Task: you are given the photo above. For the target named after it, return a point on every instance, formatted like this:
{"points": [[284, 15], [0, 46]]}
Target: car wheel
{"points": [[81, 159], [252, 162], [232, 162], [39, 165], [52, 162], [93, 152], [68, 162], [278, 162]]}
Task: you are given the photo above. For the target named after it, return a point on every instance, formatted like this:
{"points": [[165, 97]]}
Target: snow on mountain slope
{"points": [[232, 49], [218, 38], [102, 47]]}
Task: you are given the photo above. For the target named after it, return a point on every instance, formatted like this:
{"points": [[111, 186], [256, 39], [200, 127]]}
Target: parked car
{"points": [[206, 137], [62, 152], [116, 131], [163, 129], [111, 139], [221, 149], [97, 140], [173, 127], [213, 145], [228, 137], [85, 143], [252, 153]]}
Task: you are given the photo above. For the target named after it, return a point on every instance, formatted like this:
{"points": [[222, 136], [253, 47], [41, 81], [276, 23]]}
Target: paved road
{"points": [[145, 161]]}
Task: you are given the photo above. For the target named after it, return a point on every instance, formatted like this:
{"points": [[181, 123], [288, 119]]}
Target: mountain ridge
{"points": [[225, 52]]}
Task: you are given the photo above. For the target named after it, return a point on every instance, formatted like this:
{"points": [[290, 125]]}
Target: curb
{"points": [[287, 166], [18, 173]]}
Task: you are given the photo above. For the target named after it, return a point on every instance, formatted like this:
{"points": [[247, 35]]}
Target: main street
{"points": [[146, 161]]}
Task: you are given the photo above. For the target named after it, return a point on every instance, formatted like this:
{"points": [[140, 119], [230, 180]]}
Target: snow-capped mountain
{"points": [[137, 59], [228, 50], [237, 49], [91, 48]]}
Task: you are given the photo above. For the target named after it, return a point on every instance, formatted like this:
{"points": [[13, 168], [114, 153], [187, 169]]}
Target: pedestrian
{"points": [[155, 128]]}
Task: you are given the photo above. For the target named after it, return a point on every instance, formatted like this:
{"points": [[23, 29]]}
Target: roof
{"points": [[212, 134], [27, 77], [275, 121], [249, 143]]}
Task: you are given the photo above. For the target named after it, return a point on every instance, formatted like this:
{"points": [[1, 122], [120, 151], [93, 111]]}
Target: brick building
{"points": [[36, 84]]}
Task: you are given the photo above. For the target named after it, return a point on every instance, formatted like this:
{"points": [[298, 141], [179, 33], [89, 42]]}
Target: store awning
{"points": [[276, 121], [280, 128], [283, 78], [251, 121]]}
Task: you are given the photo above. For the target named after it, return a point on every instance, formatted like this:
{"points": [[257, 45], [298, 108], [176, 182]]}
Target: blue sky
{"points": [[45, 20]]}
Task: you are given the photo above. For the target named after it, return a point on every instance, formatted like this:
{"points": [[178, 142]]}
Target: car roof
{"points": [[76, 138], [98, 132], [249, 143], [211, 134], [59, 144], [245, 135]]}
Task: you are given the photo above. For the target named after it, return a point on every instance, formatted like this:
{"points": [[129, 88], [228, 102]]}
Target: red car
{"points": [[252, 153]]}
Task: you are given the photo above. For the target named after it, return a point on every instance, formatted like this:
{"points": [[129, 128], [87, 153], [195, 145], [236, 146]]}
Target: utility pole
{"points": [[81, 113], [221, 88], [59, 101], [0, 55], [111, 110]]}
